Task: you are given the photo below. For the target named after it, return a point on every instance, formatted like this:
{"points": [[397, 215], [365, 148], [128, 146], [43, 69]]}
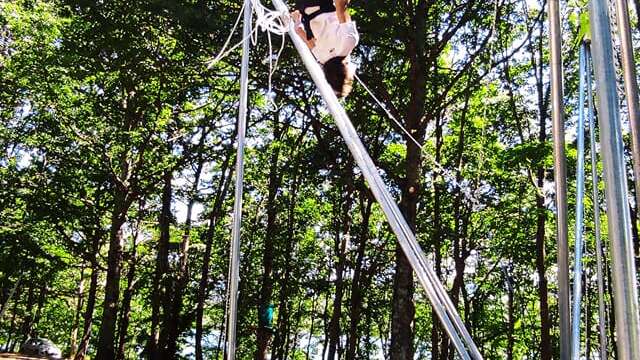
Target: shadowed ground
{"points": [[14, 356]]}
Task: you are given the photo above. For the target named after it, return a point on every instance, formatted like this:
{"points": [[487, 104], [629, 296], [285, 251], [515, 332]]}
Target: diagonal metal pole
{"points": [[630, 88], [602, 326], [577, 272], [436, 293], [560, 176], [625, 296], [234, 259]]}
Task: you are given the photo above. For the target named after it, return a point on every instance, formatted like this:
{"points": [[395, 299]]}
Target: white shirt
{"points": [[332, 37]]}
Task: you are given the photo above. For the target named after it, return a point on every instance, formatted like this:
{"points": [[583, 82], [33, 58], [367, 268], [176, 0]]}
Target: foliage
{"points": [[101, 100]]}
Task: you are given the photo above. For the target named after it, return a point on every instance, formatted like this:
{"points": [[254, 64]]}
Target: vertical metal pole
{"points": [[631, 89], [560, 176], [234, 265], [625, 295], [602, 326], [577, 272]]}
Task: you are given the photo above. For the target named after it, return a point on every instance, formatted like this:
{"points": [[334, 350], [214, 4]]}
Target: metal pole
{"points": [[602, 326], [560, 176], [625, 295], [234, 263], [577, 272], [436, 293], [631, 89]]}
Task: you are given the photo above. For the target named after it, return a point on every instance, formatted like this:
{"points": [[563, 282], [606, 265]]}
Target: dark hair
{"points": [[338, 76]]}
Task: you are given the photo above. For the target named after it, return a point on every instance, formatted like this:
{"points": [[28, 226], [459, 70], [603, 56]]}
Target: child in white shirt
{"points": [[331, 35]]}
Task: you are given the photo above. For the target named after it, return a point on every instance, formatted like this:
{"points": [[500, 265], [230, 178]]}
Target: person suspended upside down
{"points": [[331, 35]]}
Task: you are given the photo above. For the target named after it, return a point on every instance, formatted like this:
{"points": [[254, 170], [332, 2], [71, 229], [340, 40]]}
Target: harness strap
{"points": [[326, 6]]}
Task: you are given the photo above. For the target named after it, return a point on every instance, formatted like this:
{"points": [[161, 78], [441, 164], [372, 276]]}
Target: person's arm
{"points": [[311, 43], [297, 18], [341, 11]]}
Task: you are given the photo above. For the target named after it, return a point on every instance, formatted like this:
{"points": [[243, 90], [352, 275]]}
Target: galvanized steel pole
{"points": [[560, 176], [631, 89], [577, 272], [625, 295], [234, 260], [602, 326]]}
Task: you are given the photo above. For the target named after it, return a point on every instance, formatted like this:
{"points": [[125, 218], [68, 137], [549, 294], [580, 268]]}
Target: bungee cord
{"points": [[442, 171], [266, 20]]}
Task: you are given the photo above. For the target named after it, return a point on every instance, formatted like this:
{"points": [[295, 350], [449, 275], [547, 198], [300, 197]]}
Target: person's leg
{"points": [[341, 10], [311, 6]]}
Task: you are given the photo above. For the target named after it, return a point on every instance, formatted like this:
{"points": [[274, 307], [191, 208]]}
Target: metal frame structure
{"points": [[625, 297], [619, 221]]}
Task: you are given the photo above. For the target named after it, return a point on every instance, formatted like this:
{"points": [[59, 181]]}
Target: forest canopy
{"points": [[118, 147]]}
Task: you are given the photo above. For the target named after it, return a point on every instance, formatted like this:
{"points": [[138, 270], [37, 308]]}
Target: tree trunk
{"points": [[160, 290], [461, 220], [73, 347], [325, 322], [313, 321], [12, 292], [510, 317], [106, 341], [634, 231], [25, 329], [343, 225], [12, 326], [296, 326], [31, 329], [285, 288], [263, 334], [358, 282], [221, 334], [541, 210], [174, 320], [126, 300], [437, 239], [91, 301], [403, 310], [223, 186]]}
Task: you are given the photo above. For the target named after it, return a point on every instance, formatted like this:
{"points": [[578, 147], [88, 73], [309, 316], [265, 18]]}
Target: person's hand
{"points": [[301, 32], [297, 17]]}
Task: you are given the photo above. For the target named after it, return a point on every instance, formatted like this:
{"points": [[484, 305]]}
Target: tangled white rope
{"points": [[266, 20]]}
